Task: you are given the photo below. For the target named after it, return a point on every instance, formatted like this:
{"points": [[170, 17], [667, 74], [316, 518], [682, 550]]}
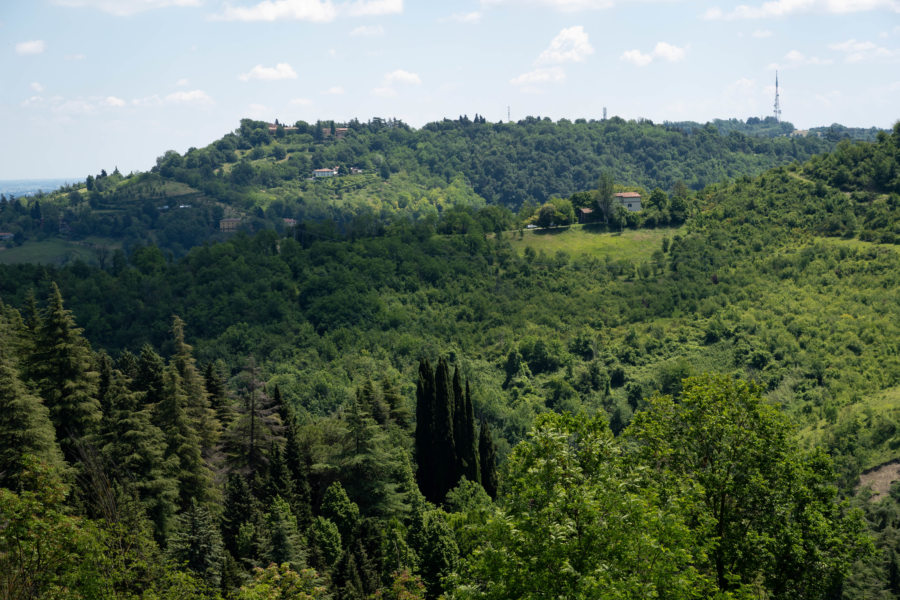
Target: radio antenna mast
{"points": [[777, 102]]}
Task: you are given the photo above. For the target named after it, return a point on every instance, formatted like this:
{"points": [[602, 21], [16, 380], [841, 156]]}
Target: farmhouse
{"points": [[630, 200], [332, 172], [5, 235]]}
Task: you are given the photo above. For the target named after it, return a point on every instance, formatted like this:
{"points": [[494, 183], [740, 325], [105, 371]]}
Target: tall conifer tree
{"points": [[445, 451], [196, 396], [488, 454], [62, 369], [425, 432], [25, 427]]}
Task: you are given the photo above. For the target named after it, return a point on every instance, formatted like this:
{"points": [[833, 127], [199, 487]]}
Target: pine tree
{"points": [[134, 449], [149, 376], [399, 413], [25, 427], [197, 398], [239, 508], [62, 370], [279, 482], [296, 465], [183, 443], [255, 428], [488, 454], [197, 545], [282, 542]]}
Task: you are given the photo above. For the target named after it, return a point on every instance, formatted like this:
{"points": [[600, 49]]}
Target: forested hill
{"points": [[261, 175], [444, 409]]}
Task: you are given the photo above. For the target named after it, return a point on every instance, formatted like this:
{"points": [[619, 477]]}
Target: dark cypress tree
{"points": [[445, 455], [488, 454], [62, 370], [296, 464], [468, 446], [279, 482], [426, 474]]}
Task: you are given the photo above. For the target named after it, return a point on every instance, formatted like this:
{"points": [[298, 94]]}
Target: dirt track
{"points": [[880, 479]]}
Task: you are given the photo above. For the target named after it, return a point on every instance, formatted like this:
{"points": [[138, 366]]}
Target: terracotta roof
{"points": [[628, 195], [586, 210]]}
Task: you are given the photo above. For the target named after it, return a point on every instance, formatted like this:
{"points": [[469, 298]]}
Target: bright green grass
{"points": [[631, 245]]}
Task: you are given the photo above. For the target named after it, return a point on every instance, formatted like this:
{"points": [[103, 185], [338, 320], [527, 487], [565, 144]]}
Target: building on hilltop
{"points": [[631, 201], [332, 172], [229, 225]]}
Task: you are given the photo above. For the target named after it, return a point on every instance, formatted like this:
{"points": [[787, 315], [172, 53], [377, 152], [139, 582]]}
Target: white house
{"points": [[332, 172], [630, 200]]}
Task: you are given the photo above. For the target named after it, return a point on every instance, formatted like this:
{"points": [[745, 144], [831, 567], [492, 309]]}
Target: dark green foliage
{"points": [[196, 544], [134, 451], [25, 426], [239, 508], [255, 427], [488, 459], [62, 372], [340, 510]]}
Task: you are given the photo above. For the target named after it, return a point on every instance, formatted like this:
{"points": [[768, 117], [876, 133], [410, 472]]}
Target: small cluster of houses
{"points": [[630, 201]]}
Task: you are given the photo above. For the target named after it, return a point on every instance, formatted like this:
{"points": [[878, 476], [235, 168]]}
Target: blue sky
{"points": [[97, 84]]}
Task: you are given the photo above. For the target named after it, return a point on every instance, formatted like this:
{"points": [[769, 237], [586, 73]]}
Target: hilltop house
{"points": [[631, 201], [332, 172]]}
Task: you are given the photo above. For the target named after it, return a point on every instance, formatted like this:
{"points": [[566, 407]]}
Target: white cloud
{"points": [[301, 101], [401, 76], [369, 8], [112, 102], [569, 45], [858, 51], [662, 50], [335, 90], [190, 98], [762, 33], [540, 75], [37, 87], [795, 58], [279, 71], [561, 5], [636, 57], [195, 97], [368, 30], [470, 17], [784, 8], [315, 11], [124, 8], [387, 89], [31, 47]]}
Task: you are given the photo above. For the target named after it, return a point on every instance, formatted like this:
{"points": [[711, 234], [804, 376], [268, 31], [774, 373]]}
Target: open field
{"points": [[576, 240], [55, 251]]}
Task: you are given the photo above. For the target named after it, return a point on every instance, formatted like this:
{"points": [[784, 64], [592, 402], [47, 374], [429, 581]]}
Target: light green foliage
{"points": [[772, 511], [279, 582], [575, 521], [340, 510], [282, 543]]}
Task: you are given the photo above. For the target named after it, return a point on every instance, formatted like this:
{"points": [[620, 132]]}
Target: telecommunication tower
{"points": [[604, 113], [777, 102], [508, 118]]}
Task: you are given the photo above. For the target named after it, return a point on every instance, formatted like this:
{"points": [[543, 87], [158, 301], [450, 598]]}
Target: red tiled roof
{"points": [[628, 195]]}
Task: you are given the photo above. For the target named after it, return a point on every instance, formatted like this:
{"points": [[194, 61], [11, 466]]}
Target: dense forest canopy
{"points": [[677, 403]]}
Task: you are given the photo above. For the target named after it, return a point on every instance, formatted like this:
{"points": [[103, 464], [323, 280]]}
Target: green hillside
{"points": [[450, 404]]}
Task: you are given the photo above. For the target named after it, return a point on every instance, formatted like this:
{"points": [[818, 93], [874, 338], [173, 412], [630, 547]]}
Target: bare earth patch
{"points": [[879, 479]]}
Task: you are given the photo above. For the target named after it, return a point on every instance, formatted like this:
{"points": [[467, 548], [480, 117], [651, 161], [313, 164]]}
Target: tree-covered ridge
{"points": [[182, 489], [262, 175]]}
